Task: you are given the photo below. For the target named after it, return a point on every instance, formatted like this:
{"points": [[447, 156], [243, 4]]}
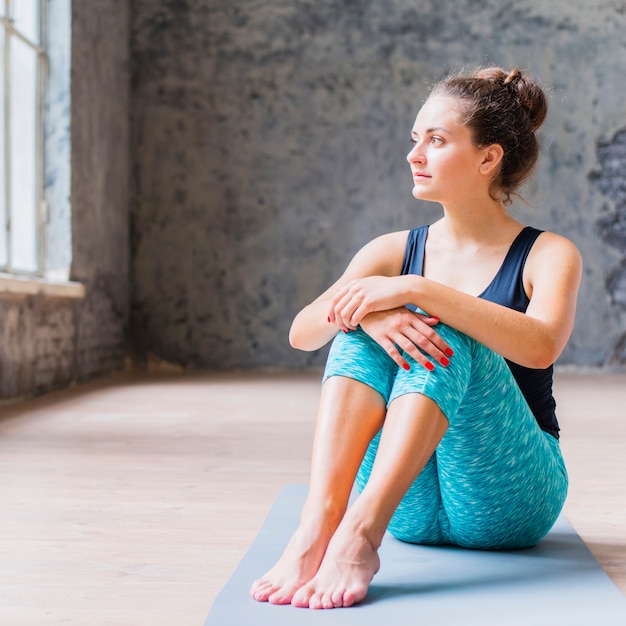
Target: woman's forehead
{"points": [[438, 112]]}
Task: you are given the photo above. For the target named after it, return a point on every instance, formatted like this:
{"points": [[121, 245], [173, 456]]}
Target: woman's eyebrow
{"points": [[432, 130]]}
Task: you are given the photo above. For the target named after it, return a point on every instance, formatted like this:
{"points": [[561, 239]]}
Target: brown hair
{"points": [[504, 108]]}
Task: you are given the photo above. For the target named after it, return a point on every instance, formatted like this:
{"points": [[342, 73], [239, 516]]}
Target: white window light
{"points": [[22, 65]]}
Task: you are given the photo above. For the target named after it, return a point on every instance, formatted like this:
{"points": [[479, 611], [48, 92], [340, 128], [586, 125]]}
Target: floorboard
{"points": [[131, 500]]}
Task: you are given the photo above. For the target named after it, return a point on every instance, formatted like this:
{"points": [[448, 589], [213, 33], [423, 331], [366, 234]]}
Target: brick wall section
{"points": [[49, 343]]}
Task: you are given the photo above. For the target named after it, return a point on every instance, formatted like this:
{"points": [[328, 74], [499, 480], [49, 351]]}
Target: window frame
{"points": [[41, 217]]}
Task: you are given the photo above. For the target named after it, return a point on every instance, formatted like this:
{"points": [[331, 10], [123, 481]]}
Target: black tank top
{"points": [[507, 289]]}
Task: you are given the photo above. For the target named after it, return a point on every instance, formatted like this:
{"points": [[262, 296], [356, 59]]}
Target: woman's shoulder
{"points": [[549, 243], [383, 254], [553, 250], [390, 241]]}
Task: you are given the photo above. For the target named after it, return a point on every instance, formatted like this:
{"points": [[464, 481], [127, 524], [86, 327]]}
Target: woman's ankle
{"points": [[366, 522], [324, 509]]}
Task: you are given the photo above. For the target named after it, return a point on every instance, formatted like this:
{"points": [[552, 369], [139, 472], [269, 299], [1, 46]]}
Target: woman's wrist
{"points": [[414, 289]]}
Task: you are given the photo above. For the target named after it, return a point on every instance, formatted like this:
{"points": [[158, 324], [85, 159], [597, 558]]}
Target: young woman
{"points": [[437, 394]]}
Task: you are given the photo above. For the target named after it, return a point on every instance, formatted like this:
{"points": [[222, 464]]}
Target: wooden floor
{"points": [[131, 500]]}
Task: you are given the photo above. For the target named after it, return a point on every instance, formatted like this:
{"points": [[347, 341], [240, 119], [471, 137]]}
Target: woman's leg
{"points": [[350, 413], [502, 480], [493, 464], [413, 427], [424, 498]]}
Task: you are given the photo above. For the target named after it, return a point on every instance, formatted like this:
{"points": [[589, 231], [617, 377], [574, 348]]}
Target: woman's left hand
{"points": [[365, 295], [403, 330]]}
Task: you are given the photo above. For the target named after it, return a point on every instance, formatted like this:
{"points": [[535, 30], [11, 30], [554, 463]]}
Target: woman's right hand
{"points": [[403, 329]]}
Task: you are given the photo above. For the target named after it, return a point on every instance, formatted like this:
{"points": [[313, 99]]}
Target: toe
{"points": [[261, 591], [337, 599], [327, 601], [281, 596], [350, 597], [315, 601], [301, 597]]}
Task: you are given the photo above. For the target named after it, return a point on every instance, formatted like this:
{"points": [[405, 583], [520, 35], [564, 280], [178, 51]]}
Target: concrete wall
{"points": [[48, 343], [270, 140]]}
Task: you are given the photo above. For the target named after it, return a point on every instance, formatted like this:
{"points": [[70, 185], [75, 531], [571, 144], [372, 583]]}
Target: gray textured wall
{"points": [[101, 170], [48, 343], [270, 140], [268, 143]]}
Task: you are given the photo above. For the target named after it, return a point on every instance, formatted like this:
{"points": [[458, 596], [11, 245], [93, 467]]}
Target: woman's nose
{"points": [[415, 155]]}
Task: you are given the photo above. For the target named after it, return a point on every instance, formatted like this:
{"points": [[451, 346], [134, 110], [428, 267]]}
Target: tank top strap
{"points": [[414, 254], [507, 287]]}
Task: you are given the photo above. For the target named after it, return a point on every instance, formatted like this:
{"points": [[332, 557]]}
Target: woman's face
{"points": [[445, 163]]}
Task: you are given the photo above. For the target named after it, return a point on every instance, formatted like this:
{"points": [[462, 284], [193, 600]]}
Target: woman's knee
{"points": [[447, 384], [356, 355]]}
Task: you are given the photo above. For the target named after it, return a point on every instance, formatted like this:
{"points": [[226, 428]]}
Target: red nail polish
{"points": [[445, 362], [344, 331], [429, 366], [329, 319], [449, 351], [406, 366]]}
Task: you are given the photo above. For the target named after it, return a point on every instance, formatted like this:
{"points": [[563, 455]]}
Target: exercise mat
{"points": [[558, 582]]}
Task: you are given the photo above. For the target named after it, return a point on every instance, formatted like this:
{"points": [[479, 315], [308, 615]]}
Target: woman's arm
{"points": [[535, 339], [392, 325], [311, 328]]}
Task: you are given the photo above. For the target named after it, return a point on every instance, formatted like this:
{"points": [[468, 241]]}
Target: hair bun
{"points": [[531, 96], [527, 90], [514, 77]]}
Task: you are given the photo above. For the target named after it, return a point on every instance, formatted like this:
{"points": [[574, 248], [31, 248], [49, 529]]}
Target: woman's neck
{"points": [[480, 222]]}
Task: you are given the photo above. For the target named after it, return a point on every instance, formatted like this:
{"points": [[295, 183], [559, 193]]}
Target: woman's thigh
{"points": [[503, 480]]}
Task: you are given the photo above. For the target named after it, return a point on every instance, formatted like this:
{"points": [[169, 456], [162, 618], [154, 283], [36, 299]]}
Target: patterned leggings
{"points": [[496, 480]]}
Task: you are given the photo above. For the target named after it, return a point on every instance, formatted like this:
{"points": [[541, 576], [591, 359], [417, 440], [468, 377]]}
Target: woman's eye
{"points": [[436, 140]]}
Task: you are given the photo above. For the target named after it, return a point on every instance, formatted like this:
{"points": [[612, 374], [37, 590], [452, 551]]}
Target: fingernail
{"points": [[449, 351], [329, 319], [436, 319], [429, 366], [406, 366], [445, 362], [344, 331]]}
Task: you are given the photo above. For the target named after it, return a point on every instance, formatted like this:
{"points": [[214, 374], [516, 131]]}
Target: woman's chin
{"points": [[420, 194]]}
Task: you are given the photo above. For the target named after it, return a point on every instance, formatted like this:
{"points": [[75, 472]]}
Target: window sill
{"points": [[27, 285]]}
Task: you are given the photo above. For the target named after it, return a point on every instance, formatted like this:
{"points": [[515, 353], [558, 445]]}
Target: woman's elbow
{"points": [[545, 355], [294, 339], [298, 339], [540, 363]]}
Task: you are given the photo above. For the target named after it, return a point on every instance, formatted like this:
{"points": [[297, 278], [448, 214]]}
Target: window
{"points": [[22, 61]]}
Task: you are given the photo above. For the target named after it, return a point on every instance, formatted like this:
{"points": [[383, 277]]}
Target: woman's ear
{"points": [[492, 158]]}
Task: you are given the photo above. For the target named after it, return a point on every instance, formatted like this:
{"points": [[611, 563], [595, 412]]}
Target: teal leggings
{"points": [[496, 480]]}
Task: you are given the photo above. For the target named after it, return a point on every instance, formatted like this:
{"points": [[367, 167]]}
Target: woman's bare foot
{"points": [[297, 565], [345, 573]]}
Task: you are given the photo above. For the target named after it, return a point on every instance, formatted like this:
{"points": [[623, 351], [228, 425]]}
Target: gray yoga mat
{"points": [[556, 583]]}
